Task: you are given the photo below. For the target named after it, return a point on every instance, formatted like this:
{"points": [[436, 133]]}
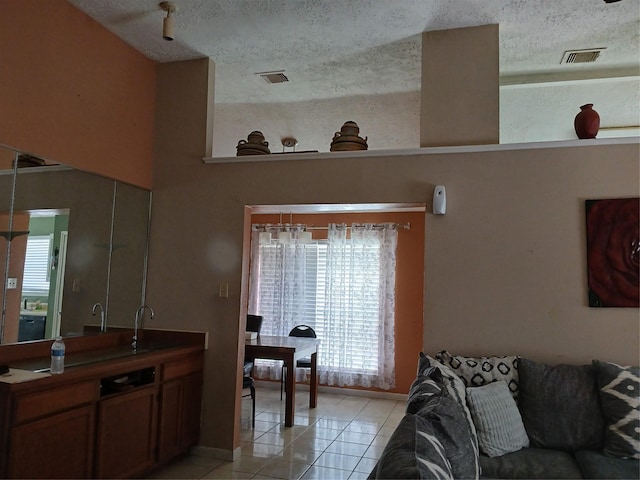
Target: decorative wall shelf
{"points": [[293, 156], [11, 235]]}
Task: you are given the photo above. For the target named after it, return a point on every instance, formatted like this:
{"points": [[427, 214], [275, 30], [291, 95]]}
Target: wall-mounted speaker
{"points": [[439, 200]]}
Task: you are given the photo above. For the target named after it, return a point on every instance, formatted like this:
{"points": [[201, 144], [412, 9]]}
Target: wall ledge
{"points": [[281, 157]]}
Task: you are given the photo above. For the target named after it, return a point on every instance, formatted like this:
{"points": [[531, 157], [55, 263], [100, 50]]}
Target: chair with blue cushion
{"points": [[298, 331]]}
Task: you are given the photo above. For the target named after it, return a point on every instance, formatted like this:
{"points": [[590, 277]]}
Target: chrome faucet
{"points": [[103, 322], [139, 318]]}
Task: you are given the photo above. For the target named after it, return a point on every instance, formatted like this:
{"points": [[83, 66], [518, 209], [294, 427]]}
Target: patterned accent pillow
{"points": [[423, 388], [497, 419], [448, 420], [478, 371], [620, 396], [413, 451]]}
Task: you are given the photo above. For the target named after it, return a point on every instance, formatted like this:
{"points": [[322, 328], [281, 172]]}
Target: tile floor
{"points": [[340, 439]]}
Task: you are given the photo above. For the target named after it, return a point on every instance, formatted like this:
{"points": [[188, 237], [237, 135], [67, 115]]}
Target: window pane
{"points": [[345, 317], [36, 265]]}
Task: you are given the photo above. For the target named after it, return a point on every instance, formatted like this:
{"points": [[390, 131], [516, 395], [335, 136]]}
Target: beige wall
{"points": [[504, 269], [460, 96]]}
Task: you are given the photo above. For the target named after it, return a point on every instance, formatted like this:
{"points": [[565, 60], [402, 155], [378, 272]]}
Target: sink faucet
{"points": [[139, 318], [103, 322]]}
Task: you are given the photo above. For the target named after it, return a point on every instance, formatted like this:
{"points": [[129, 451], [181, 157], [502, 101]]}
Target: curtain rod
{"points": [[405, 226]]}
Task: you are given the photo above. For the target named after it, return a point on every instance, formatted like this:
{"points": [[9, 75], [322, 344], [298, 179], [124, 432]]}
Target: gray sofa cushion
{"points": [[619, 393], [413, 451], [597, 465], [531, 463], [560, 406], [448, 420], [423, 388], [456, 389]]}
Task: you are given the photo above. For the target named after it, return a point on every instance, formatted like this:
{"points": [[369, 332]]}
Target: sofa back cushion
{"points": [[560, 406]]}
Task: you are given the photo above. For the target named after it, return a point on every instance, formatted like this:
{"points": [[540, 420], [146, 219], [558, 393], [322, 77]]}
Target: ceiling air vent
{"points": [[273, 77], [581, 56]]}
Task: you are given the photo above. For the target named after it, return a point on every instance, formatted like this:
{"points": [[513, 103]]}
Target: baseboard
{"points": [[217, 453], [337, 390]]}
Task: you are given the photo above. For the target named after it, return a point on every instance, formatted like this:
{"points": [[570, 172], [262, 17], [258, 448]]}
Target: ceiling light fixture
{"points": [[167, 23]]}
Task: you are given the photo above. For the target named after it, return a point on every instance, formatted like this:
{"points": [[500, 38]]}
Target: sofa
{"points": [[512, 417]]}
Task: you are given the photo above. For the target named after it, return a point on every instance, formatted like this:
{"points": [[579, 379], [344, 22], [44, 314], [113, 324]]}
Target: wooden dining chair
{"points": [[298, 331], [249, 384], [254, 324]]}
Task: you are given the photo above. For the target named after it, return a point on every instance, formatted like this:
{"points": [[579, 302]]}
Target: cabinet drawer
{"points": [[38, 404], [182, 366]]}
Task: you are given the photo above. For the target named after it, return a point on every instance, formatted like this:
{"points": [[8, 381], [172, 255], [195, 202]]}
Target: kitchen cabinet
{"points": [[117, 418], [32, 326], [53, 433], [180, 394], [57, 446], [126, 434]]}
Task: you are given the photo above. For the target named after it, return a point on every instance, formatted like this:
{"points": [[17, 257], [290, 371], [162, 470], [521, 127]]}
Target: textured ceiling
{"points": [[360, 60]]}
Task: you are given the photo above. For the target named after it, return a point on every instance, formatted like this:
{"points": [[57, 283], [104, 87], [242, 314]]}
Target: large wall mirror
{"points": [[70, 240]]}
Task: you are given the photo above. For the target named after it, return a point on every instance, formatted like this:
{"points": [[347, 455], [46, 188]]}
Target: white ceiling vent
{"points": [[273, 77], [581, 56]]}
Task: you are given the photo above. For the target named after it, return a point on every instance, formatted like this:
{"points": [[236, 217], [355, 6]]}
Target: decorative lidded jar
{"points": [[254, 145], [348, 139]]}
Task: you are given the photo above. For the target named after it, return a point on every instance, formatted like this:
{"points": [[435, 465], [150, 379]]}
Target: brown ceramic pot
{"points": [[587, 122]]}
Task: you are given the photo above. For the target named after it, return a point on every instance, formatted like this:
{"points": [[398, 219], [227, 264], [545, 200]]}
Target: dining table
{"points": [[289, 350]]}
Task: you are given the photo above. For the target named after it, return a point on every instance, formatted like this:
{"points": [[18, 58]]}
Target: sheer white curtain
{"points": [[343, 287], [277, 286], [359, 307]]}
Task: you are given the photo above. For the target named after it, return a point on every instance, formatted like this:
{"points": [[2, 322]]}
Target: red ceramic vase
{"points": [[587, 122]]}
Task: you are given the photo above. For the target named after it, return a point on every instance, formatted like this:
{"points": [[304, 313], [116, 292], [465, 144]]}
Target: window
{"points": [[344, 289], [358, 337], [36, 265]]}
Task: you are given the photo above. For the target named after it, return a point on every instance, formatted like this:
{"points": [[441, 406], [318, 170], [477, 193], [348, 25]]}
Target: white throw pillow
{"points": [[497, 419]]}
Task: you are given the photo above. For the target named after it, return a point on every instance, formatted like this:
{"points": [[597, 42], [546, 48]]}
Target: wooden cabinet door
{"points": [[180, 410], [169, 437], [58, 446], [126, 441], [192, 410]]}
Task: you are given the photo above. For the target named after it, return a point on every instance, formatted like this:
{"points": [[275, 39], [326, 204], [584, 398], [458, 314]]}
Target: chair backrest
{"points": [[302, 331], [254, 323]]}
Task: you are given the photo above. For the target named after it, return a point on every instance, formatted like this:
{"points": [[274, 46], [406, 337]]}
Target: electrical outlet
{"points": [[12, 283]]}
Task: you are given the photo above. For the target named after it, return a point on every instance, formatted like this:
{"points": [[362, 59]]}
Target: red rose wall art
{"points": [[613, 252]]}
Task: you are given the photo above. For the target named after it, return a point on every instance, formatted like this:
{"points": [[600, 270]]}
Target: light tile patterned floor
{"points": [[340, 439]]}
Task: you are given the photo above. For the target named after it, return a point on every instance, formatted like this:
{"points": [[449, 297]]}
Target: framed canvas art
{"points": [[613, 252]]}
